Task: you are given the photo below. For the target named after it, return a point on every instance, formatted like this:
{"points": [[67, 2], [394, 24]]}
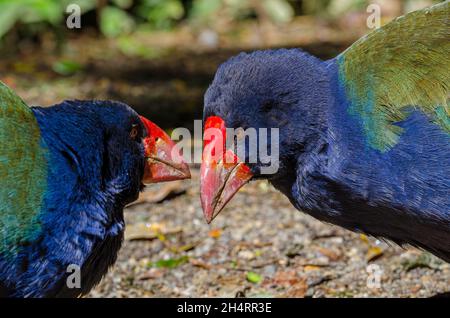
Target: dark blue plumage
{"points": [[327, 167], [67, 172], [94, 171]]}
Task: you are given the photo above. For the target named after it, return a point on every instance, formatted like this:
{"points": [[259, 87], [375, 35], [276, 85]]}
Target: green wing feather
{"points": [[23, 172], [405, 63]]}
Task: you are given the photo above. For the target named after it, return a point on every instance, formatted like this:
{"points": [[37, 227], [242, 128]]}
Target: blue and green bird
{"points": [[364, 138], [66, 174]]}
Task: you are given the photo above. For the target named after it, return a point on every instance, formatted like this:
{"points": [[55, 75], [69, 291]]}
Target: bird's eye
{"points": [[267, 106], [134, 132]]}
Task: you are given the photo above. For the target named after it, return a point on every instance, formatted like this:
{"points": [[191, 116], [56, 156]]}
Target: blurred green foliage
{"points": [[118, 17], [66, 67], [208, 10], [115, 21], [169, 263], [28, 11], [161, 14], [254, 278]]}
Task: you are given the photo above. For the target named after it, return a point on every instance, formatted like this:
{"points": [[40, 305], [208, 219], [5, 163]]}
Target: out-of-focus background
{"points": [[159, 56]]}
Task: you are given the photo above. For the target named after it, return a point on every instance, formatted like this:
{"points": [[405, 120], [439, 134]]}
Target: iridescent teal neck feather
{"points": [[23, 172], [404, 64]]}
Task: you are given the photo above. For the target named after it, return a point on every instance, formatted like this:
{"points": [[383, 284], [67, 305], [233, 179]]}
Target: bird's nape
{"points": [[163, 161], [222, 172]]}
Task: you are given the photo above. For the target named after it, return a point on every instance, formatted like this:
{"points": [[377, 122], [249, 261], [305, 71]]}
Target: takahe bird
{"points": [[66, 174], [364, 138]]}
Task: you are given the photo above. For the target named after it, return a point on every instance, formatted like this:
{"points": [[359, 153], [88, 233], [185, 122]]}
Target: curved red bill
{"points": [[164, 161], [222, 172]]}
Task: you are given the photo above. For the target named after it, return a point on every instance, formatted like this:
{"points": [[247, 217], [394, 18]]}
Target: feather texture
{"points": [[406, 63], [23, 172]]}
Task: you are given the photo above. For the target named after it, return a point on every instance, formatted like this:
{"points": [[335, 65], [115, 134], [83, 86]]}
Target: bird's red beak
{"points": [[222, 172], [164, 161]]}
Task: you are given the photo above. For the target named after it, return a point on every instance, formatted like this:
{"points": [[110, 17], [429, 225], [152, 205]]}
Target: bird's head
{"points": [[109, 146], [263, 90]]}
